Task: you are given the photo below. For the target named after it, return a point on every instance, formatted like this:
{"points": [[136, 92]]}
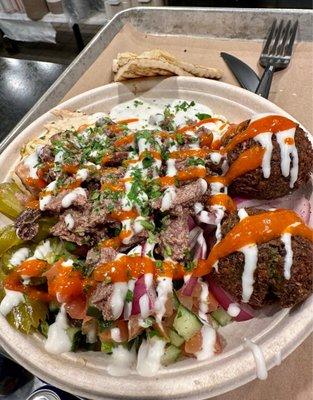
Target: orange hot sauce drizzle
{"points": [[196, 125], [260, 228], [124, 140], [128, 267], [247, 161], [224, 200], [188, 153], [122, 215], [271, 123]]}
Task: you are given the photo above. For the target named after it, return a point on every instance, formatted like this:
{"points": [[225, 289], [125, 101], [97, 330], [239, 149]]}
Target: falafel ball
{"points": [[253, 184], [270, 284]]}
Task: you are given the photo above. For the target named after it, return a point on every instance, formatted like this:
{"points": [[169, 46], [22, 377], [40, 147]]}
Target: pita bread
{"points": [[157, 62]]}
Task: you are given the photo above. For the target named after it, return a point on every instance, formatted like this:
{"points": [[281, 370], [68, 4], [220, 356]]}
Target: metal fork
{"points": [[276, 53]]}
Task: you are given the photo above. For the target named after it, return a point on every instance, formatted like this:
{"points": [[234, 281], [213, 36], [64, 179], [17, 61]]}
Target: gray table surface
{"points": [[22, 83]]}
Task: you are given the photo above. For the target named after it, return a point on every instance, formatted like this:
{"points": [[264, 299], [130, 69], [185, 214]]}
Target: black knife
{"points": [[245, 75]]}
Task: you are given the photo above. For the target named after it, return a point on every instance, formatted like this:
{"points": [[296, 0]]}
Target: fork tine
{"points": [[269, 37], [281, 47], [277, 37], [288, 48]]}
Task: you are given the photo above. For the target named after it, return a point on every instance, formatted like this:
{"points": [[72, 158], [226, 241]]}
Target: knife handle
{"points": [[265, 83]]}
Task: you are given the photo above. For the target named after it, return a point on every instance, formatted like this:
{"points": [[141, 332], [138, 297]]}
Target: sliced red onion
{"points": [[141, 289], [296, 201], [191, 223], [188, 286], [225, 299], [201, 248], [193, 236]]}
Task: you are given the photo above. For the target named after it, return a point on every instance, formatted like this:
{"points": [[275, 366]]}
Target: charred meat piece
{"points": [[81, 225], [99, 256], [46, 154], [27, 225], [253, 184], [117, 158], [101, 298], [270, 284], [186, 197], [174, 238]]}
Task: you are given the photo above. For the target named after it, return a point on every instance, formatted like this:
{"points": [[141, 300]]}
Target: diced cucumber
{"points": [[170, 355], [186, 323], [75, 336], [221, 317], [93, 311], [107, 347], [175, 339]]}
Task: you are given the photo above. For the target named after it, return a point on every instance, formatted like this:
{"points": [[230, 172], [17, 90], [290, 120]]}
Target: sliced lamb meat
{"points": [[174, 239], [109, 175], [186, 197], [26, 224], [101, 298], [99, 256], [117, 159], [80, 225], [55, 204], [46, 153]]}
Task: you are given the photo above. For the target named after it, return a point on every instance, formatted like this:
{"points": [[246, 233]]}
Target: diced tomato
{"points": [[32, 268], [64, 283], [77, 308], [194, 344]]}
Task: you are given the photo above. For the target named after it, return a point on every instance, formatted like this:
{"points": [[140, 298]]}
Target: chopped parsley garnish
{"points": [[184, 106], [195, 161], [104, 325], [189, 265], [129, 296], [148, 225], [148, 160], [159, 264], [202, 116], [180, 138], [137, 103]]}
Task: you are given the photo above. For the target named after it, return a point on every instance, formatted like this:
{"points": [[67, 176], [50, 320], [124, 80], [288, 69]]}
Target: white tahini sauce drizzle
{"points": [[149, 357], [69, 198], [116, 335], [45, 199], [82, 174], [42, 250], [10, 300], [265, 140], [242, 213], [259, 359], [58, 340], [19, 256], [121, 361], [164, 289], [118, 298], [69, 221], [250, 252], [233, 310], [208, 343], [286, 239], [32, 161], [170, 192], [203, 304], [289, 155]]}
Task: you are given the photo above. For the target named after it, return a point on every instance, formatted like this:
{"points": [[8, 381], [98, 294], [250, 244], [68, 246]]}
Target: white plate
{"points": [[278, 334]]}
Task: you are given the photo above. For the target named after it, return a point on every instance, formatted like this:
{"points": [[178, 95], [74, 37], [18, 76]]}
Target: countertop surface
{"points": [[22, 83]]}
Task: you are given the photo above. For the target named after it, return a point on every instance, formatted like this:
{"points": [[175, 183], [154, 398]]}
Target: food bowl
{"points": [[276, 332]]}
